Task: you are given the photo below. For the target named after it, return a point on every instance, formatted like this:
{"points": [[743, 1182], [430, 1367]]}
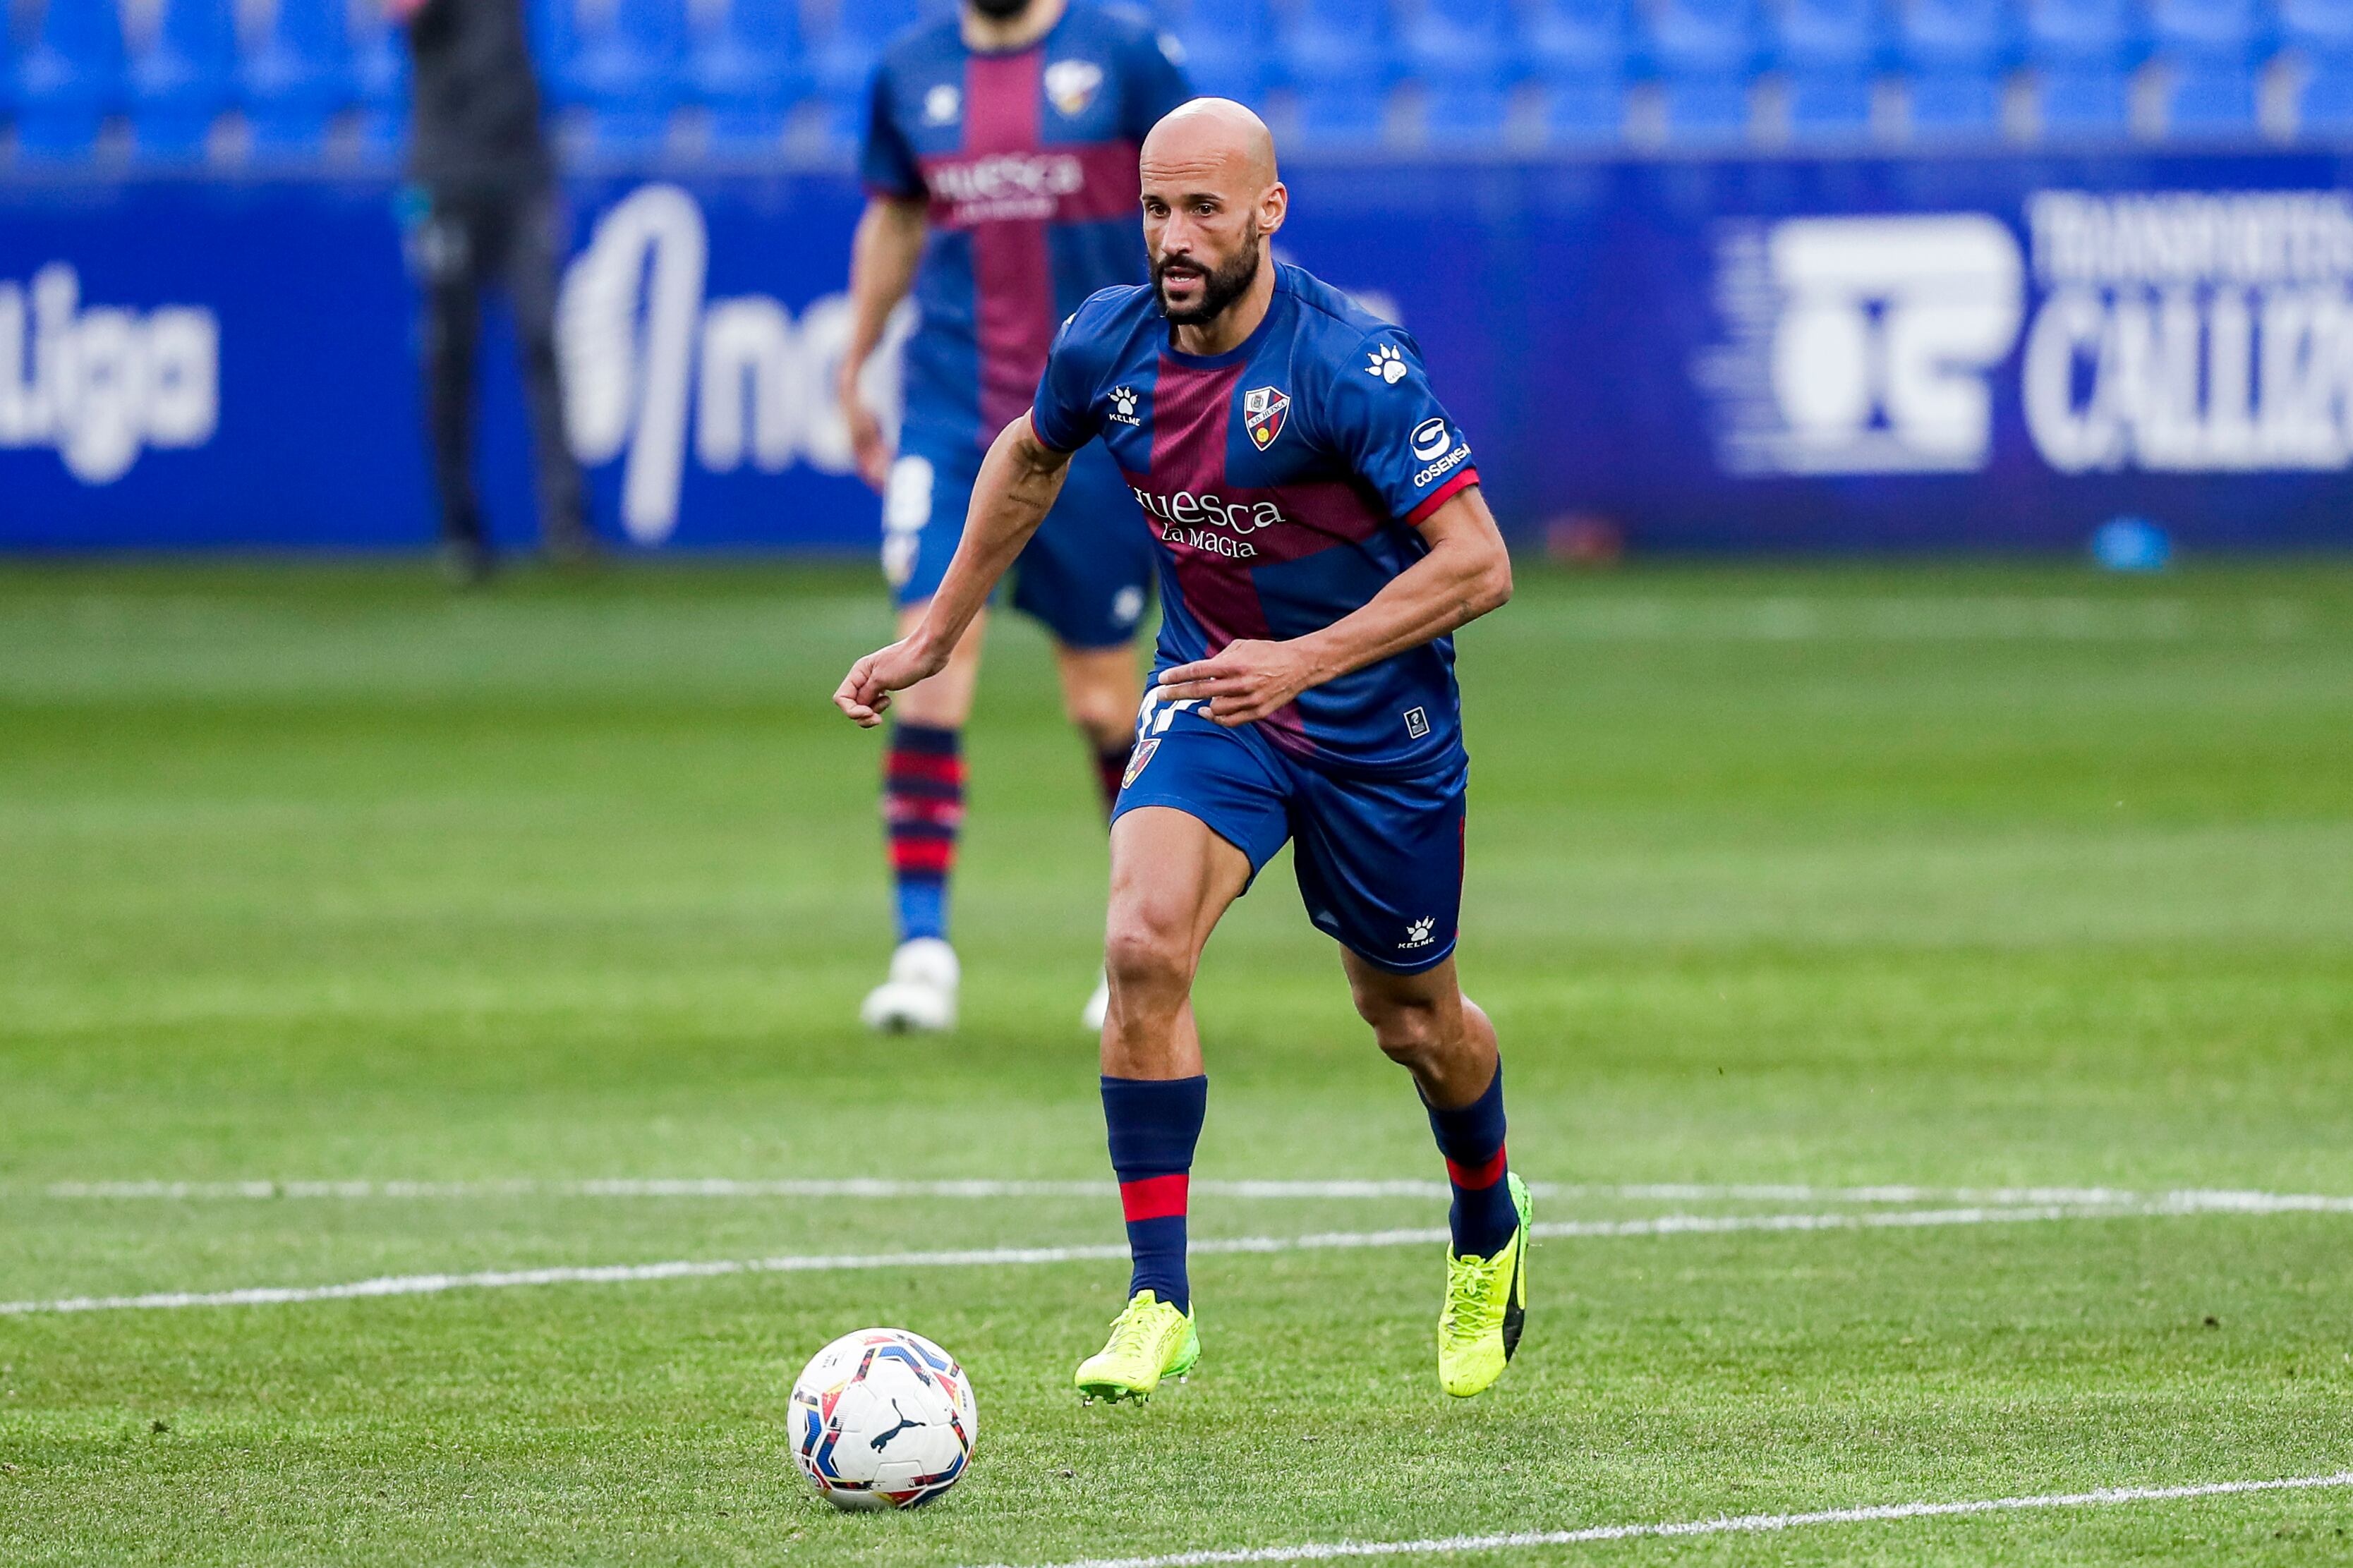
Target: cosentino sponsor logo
{"points": [[1005, 185], [1209, 522]]}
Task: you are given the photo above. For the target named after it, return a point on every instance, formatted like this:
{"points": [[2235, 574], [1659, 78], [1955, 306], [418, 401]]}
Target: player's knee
{"points": [[1145, 954], [1104, 716], [1411, 1033]]}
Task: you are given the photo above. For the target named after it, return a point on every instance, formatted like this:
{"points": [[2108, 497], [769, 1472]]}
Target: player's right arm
{"points": [[1019, 481], [883, 260]]}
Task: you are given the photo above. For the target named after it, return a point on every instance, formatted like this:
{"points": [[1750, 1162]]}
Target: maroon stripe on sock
{"points": [[935, 856], [1155, 1197], [924, 767], [1479, 1177]]}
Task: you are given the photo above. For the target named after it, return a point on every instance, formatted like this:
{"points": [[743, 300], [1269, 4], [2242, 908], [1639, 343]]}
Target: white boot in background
{"points": [[921, 993], [1098, 1006]]}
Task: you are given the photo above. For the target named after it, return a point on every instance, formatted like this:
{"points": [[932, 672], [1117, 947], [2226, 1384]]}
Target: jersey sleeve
{"points": [[1066, 415], [1157, 82], [885, 162], [1395, 434]]}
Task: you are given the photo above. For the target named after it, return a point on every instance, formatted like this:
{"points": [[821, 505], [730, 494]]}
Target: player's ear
{"points": [[1273, 206]]}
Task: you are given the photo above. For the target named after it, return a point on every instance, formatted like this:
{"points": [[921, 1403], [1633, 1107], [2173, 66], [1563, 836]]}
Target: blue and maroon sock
{"points": [[1154, 1123], [1471, 1138], [922, 807]]}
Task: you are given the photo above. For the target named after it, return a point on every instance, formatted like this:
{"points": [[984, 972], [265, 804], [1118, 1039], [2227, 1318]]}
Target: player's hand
{"points": [[865, 692], [1245, 682], [870, 448]]}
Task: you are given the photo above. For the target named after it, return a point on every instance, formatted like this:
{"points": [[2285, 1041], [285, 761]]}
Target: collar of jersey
{"points": [[1242, 350], [1039, 42]]}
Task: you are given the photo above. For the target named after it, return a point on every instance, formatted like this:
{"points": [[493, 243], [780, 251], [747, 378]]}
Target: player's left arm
{"points": [[1466, 573]]}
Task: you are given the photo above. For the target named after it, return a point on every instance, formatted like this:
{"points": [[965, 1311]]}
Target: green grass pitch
{"points": [[1959, 877]]}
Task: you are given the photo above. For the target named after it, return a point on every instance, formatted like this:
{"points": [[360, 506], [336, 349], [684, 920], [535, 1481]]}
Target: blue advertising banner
{"points": [[1853, 353]]}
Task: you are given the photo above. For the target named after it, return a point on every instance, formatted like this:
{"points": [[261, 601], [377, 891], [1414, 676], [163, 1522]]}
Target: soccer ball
{"points": [[883, 1418]]}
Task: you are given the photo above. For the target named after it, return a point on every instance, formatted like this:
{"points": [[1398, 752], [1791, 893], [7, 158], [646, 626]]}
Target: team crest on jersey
{"points": [[1071, 85], [1143, 750], [1263, 413]]}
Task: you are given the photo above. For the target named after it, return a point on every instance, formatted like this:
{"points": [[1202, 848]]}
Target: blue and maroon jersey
{"points": [[1284, 481], [1027, 158]]}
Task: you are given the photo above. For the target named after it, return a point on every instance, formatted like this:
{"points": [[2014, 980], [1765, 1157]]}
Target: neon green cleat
{"points": [[1486, 1305], [1149, 1342]]}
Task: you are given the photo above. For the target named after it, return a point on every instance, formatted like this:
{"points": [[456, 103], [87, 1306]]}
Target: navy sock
{"points": [[1111, 772], [922, 807], [1154, 1123], [1471, 1138]]}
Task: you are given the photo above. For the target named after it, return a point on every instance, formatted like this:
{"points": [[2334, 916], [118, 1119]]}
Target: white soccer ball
{"points": [[883, 1418]]}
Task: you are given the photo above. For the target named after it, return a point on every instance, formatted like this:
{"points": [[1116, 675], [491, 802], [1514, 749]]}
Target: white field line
{"points": [[1742, 1524], [877, 1188], [815, 1263]]}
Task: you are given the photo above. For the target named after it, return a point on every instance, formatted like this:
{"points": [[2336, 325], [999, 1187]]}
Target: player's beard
{"points": [[1001, 10], [1220, 287]]}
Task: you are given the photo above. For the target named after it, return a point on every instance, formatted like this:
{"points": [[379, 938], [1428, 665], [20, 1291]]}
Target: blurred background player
{"points": [[1000, 164], [486, 183]]}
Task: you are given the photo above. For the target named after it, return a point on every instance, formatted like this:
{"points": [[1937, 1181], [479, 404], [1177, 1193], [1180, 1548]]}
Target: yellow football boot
{"points": [[1486, 1305], [1150, 1341]]}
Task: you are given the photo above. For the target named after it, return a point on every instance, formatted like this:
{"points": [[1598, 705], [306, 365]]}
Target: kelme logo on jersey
{"points": [[1387, 363], [1123, 407], [1070, 85], [1263, 411], [1430, 439], [942, 105]]}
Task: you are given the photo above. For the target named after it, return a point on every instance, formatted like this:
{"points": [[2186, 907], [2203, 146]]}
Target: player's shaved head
{"points": [[1215, 137], [1212, 199]]}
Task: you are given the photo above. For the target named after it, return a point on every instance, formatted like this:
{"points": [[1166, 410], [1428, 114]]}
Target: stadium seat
{"points": [[380, 79], [1462, 53], [2216, 30], [845, 62], [1585, 112], [1573, 40], [1227, 44], [298, 77], [182, 80], [747, 66], [1705, 38], [1956, 55], [2325, 107], [627, 71], [70, 78], [1705, 109], [1339, 56], [2212, 99], [2321, 28], [2083, 53], [1829, 51]]}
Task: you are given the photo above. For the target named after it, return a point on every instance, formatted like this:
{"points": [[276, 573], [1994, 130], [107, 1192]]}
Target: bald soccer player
{"points": [[1320, 535]]}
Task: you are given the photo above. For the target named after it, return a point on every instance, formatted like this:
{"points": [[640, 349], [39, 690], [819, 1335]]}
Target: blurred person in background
{"points": [[485, 211], [1000, 160]]}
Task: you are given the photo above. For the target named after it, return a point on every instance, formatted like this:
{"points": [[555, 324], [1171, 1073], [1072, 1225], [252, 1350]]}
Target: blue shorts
{"points": [[1086, 573], [1379, 861]]}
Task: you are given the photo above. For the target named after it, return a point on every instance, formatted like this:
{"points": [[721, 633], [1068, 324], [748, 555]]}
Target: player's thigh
{"points": [[1086, 573], [1199, 814], [1380, 862]]}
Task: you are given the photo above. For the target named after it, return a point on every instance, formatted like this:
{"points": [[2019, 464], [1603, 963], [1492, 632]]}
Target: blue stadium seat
{"points": [[1705, 109], [1340, 59], [2083, 53], [2217, 31], [72, 78], [2318, 28], [747, 66], [1582, 52], [628, 70], [2212, 97], [380, 77], [298, 77], [1830, 51], [182, 81], [845, 62], [2325, 109], [1227, 44], [1705, 38], [1462, 53], [1957, 54]]}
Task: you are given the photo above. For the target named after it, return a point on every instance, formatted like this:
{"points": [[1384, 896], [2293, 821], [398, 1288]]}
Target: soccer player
{"points": [[999, 162], [1321, 534]]}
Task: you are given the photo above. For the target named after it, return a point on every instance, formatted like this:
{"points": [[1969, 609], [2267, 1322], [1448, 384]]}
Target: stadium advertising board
{"points": [[1926, 353]]}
